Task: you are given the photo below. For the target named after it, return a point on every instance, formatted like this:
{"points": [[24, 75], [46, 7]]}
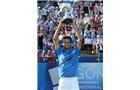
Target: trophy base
{"points": [[67, 21]]}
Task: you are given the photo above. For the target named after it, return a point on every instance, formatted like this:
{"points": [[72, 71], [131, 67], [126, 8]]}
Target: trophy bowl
{"points": [[66, 7], [67, 21]]}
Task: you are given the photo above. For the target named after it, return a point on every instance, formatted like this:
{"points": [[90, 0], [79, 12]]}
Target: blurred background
{"points": [[89, 21]]}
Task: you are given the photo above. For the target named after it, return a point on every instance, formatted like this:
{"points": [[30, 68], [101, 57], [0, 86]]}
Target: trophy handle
{"points": [[59, 11]]}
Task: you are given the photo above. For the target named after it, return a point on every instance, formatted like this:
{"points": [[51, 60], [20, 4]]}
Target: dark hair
{"points": [[67, 37]]}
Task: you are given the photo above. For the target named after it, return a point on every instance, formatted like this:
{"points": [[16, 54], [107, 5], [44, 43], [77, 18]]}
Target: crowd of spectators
{"points": [[89, 21]]}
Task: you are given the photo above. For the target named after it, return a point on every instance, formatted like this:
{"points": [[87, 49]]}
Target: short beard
{"points": [[68, 48]]}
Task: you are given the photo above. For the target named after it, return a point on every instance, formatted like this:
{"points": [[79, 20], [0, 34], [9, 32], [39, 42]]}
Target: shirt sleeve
{"points": [[79, 51], [59, 50]]}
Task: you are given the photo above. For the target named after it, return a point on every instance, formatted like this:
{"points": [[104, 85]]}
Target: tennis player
{"points": [[68, 57]]}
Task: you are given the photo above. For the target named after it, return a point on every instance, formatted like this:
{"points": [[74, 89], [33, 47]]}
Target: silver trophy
{"points": [[66, 7]]}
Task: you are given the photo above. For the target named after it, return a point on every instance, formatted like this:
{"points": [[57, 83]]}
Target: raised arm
{"points": [[80, 39], [55, 37]]}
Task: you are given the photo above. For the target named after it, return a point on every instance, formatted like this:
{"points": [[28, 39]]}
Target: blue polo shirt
{"points": [[68, 61]]}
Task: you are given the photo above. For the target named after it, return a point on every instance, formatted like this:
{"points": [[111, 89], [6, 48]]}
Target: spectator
{"points": [[92, 31], [40, 39], [86, 4], [40, 13], [81, 19], [76, 8], [69, 33], [73, 31], [39, 56], [100, 47], [55, 26], [86, 19], [82, 10], [101, 20], [92, 21], [67, 28], [99, 33], [41, 24], [44, 14], [87, 33], [94, 50], [76, 4], [46, 47], [51, 31], [48, 19], [44, 39], [97, 22], [44, 56], [97, 49], [86, 22], [53, 20], [74, 39], [47, 11], [52, 48], [81, 4], [90, 9], [50, 56], [51, 24], [80, 27], [47, 34], [49, 42], [87, 43], [49, 38], [93, 2], [38, 21], [60, 36], [96, 9], [101, 8], [45, 26], [77, 20], [92, 25], [93, 45], [52, 11], [51, 14], [99, 40], [62, 30]]}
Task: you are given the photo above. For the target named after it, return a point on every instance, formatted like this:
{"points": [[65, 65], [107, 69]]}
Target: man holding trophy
{"points": [[68, 55]]}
